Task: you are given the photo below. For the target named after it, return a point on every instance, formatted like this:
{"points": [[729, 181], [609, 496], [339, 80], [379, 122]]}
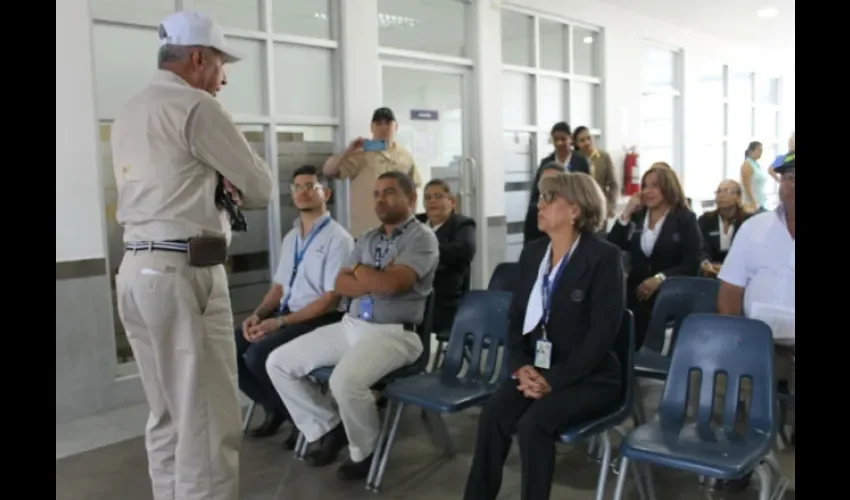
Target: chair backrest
{"points": [[424, 330], [481, 323], [738, 347], [505, 277], [679, 297], [624, 348]]}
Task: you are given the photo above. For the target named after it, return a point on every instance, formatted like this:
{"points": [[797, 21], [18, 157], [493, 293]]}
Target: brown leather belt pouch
{"points": [[206, 251]]}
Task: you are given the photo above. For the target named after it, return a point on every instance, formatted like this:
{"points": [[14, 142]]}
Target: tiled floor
{"points": [[119, 472]]}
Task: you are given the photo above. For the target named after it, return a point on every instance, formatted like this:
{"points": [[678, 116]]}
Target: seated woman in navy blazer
{"points": [[660, 233], [563, 323], [718, 227]]}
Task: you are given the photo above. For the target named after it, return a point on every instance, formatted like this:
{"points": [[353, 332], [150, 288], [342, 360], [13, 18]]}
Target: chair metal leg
{"points": [[591, 447], [300, 447], [249, 414], [382, 467], [765, 483], [621, 478], [646, 473], [438, 356], [442, 430], [639, 415], [603, 467], [380, 446]]}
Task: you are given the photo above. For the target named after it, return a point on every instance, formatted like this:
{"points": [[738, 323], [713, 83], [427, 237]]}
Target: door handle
{"points": [[468, 174]]}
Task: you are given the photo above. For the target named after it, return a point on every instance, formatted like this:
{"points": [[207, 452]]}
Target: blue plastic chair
{"points": [[323, 375], [481, 324], [739, 348], [624, 347], [678, 297], [505, 277]]}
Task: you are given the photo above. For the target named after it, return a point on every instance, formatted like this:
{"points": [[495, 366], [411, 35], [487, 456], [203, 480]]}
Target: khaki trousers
{"points": [[179, 323], [362, 353]]}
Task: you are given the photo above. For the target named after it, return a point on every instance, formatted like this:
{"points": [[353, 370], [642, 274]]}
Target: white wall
{"points": [[79, 212]]}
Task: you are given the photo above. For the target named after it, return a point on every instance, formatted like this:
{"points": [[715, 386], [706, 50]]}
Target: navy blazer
{"points": [[677, 251], [709, 226], [587, 305], [457, 249]]}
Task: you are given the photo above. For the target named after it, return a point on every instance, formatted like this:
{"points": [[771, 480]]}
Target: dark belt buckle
{"points": [[207, 251]]}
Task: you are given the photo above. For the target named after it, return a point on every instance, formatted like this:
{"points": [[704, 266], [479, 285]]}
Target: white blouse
{"points": [[534, 309]]}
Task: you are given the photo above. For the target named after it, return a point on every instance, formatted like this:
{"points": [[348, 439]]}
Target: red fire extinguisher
{"points": [[631, 173]]}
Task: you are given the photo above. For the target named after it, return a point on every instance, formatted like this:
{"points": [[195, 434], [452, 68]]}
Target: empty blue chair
{"points": [[624, 348], [481, 325], [505, 277], [678, 297], [323, 375], [739, 348]]}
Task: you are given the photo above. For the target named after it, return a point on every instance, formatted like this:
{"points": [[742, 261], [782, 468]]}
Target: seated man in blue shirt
{"points": [[301, 297], [389, 275]]}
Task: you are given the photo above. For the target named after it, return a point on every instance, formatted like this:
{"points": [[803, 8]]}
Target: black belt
{"points": [[179, 246], [410, 327]]}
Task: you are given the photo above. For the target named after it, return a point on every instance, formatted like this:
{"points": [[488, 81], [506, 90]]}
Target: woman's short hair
{"points": [[581, 190], [668, 184], [442, 184]]}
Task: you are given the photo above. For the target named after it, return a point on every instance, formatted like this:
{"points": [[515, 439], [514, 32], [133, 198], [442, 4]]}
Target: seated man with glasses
{"points": [[301, 297]]}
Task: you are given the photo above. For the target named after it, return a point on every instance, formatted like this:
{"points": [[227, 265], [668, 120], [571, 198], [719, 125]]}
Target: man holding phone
{"points": [[364, 161]]}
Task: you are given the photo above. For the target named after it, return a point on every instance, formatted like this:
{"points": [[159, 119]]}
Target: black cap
{"points": [[788, 163], [383, 114]]}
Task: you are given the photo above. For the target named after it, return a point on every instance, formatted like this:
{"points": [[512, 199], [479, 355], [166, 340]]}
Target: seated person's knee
{"points": [[282, 359], [342, 382]]}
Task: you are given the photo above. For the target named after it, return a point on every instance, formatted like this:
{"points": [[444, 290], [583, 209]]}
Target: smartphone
{"points": [[378, 145]]}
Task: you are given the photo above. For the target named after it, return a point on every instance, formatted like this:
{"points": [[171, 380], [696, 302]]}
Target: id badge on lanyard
{"points": [[299, 257], [543, 347], [367, 303]]}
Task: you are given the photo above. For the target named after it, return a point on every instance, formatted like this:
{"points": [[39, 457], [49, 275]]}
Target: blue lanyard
{"points": [[548, 288], [299, 256], [382, 251]]}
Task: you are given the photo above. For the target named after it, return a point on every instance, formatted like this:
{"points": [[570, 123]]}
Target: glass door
{"points": [[433, 124]]}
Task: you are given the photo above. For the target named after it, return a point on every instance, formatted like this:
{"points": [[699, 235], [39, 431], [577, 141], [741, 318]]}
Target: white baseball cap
{"points": [[187, 28]]}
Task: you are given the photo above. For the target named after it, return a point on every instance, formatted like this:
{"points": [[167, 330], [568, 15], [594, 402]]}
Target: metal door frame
{"points": [[468, 124]]}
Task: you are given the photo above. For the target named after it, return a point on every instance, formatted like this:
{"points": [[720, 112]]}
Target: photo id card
{"points": [[366, 308], [543, 355]]}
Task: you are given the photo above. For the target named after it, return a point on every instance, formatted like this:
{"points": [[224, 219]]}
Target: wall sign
{"points": [[424, 114]]}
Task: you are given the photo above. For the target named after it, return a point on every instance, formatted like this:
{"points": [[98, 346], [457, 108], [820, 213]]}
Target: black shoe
{"points": [[269, 426], [353, 471], [291, 441], [329, 447]]}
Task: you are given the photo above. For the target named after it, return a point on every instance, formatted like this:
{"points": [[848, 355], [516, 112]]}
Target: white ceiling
{"points": [[732, 20]]}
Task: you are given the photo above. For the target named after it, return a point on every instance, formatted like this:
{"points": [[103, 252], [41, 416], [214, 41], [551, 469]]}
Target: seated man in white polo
{"points": [[389, 275], [301, 297]]}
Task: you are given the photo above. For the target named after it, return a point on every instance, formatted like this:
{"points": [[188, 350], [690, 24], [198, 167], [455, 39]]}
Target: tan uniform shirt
{"points": [[363, 169], [169, 142]]}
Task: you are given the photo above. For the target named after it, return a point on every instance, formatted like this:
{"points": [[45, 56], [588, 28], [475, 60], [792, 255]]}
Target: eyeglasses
{"points": [[310, 186], [548, 197], [727, 191]]}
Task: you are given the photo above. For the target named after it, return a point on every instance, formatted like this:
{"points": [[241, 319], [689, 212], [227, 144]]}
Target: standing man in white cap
{"points": [[172, 143]]}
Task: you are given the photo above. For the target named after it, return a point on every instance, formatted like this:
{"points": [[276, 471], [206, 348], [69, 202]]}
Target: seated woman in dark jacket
{"points": [[661, 235], [718, 227], [563, 157], [563, 323], [456, 235]]}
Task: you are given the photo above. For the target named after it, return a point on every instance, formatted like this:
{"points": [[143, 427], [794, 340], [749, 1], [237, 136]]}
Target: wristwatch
{"points": [[660, 277]]}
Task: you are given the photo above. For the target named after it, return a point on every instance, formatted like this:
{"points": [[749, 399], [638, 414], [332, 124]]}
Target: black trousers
{"points": [[642, 311], [251, 360], [537, 423]]}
